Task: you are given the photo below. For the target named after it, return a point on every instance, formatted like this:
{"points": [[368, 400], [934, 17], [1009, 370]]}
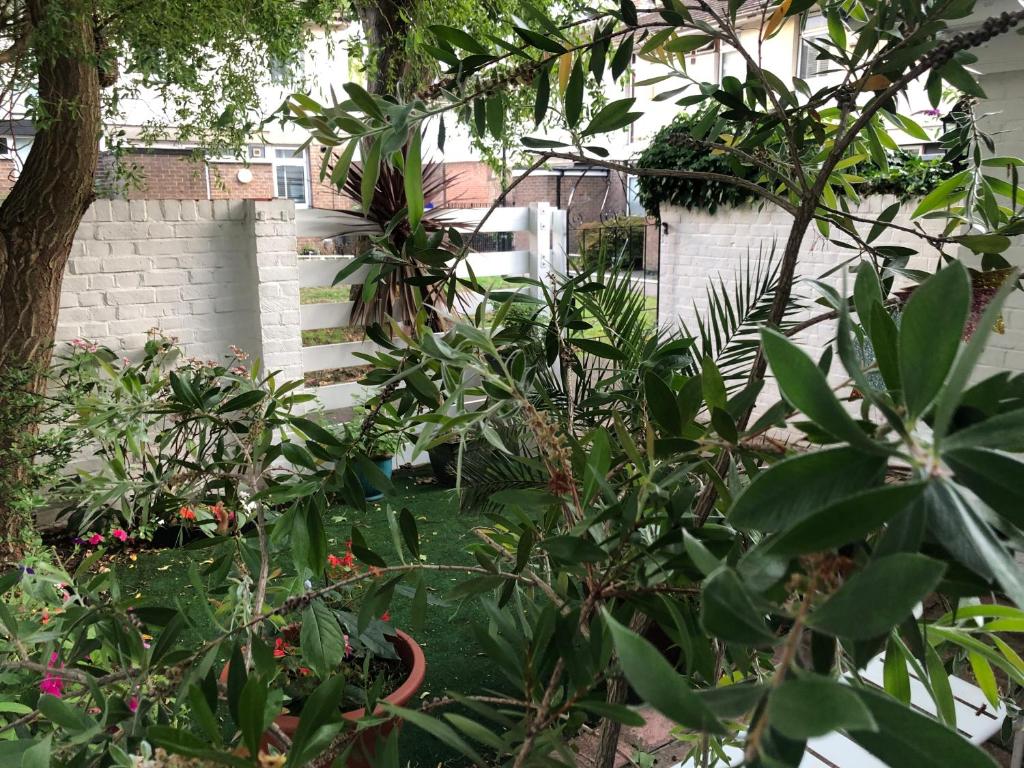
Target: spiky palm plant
{"points": [[401, 290]]}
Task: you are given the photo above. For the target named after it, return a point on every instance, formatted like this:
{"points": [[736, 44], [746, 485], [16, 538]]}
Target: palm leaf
{"points": [[728, 331], [486, 471]]}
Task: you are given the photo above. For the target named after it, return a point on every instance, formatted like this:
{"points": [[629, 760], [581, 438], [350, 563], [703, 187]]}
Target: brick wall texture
{"points": [[212, 273], [699, 247]]}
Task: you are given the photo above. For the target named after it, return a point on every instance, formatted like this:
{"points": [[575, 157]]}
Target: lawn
{"points": [[453, 659]]}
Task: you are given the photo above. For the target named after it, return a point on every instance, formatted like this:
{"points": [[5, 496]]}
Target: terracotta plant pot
{"points": [[365, 746]]}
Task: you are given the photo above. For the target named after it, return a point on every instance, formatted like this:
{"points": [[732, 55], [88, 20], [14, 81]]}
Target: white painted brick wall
{"points": [[212, 273], [698, 247]]}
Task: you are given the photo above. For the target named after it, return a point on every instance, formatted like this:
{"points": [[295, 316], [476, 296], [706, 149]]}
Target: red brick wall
{"points": [[224, 183], [7, 169], [162, 174], [469, 185]]}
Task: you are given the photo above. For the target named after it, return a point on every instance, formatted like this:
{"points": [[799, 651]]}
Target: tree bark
{"points": [[385, 24], [39, 218]]}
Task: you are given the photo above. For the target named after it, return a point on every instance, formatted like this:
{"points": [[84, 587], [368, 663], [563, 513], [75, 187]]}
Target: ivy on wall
{"points": [[908, 176]]}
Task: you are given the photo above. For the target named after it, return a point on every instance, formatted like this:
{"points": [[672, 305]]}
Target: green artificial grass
{"points": [[454, 661]]}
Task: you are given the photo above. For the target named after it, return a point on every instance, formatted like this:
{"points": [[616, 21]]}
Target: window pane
{"points": [[286, 153], [291, 183]]}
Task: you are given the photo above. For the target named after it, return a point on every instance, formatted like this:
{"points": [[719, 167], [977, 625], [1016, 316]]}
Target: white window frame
{"points": [[721, 64], [292, 161], [812, 27]]}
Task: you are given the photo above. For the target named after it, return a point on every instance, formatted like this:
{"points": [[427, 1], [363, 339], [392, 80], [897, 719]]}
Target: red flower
{"points": [[385, 616], [334, 561], [280, 648], [95, 539], [221, 516], [187, 513], [120, 534]]}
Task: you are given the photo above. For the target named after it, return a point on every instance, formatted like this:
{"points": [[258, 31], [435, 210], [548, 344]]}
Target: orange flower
{"points": [[187, 513]]}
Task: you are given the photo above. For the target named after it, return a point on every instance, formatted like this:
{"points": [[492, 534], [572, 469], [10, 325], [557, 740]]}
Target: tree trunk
{"points": [[385, 24], [39, 218]]}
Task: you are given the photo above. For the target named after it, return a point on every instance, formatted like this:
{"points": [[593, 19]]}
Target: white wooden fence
{"points": [[545, 254]]}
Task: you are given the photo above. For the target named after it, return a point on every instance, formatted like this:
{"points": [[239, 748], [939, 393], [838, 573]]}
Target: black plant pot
{"points": [[443, 459]]}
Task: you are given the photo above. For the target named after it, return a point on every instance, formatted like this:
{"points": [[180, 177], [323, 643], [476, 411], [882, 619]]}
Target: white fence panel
{"points": [[546, 231]]}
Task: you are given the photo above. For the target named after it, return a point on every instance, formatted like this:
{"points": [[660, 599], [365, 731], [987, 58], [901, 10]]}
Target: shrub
{"points": [[908, 176]]}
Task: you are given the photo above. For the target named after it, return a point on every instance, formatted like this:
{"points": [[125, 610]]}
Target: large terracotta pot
{"points": [[411, 654]]}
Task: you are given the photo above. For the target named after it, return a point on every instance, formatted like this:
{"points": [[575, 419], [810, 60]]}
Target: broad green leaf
{"points": [[803, 384], [908, 739], [573, 99], [814, 706], [611, 117], [929, 336], [876, 599], [867, 293], [252, 708], [944, 195], [713, 385], [657, 683], [323, 643], [439, 730], [988, 243], [1004, 431], [729, 613], [803, 485], [846, 521], [985, 677], [320, 709], [661, 402], [963, 531], [993, 475], [371, 172]]}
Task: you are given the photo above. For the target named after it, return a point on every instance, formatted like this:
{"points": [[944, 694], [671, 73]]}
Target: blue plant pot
{"points": [[385, 465]]}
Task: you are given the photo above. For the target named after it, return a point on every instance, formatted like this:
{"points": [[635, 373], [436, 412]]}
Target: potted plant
{"points": [[379, 663], [376, 435]]}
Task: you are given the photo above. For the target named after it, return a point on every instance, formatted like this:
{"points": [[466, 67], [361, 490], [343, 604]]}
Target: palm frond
{"points": [[487, 471], [728, 331]]}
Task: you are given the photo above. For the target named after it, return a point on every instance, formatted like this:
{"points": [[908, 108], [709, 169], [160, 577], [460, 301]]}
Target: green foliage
{"points": [[905, 176]]}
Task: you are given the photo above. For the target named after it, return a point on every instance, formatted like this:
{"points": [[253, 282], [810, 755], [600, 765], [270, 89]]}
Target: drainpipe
{"points": [[558, 187], [206, 175]]}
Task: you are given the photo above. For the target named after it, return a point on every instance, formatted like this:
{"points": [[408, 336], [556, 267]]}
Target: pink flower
{"points": [[120, 534], [52, 685], [95, 539], [348, 647], [133, 703]]}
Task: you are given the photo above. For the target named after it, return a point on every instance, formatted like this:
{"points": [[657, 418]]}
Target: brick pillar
{"points": [[277, 285]]}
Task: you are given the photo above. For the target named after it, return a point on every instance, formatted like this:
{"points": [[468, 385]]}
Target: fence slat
{"points": [[493, 263], [334, 315], [317, 273], [341, 395], [324, 357]]}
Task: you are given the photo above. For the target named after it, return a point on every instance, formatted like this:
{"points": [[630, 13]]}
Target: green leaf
{"points": [[1004, 431], [61, 713], [968, 358], [929, 336], [956, 75], [320, 708], [363, 100], [878, 598], [412, 178], [459, 39], [598, 349], [573, 549], [321, 638], [612, 117], [573, 99], [803, 485], [661, 402], [867, 293], [993, 475], [803, 384], [843, 522], [540, 104], [616, 712], [988, 243], [895, 677], [912, 740], [371, 172], [963, 531], [242, 401], [944, 195], [657, 683], [814, 706], [407, 524], [942, 692], [440, 731], [985, 677], [729, 613], [712, 383], [252, 706], [38, 755]]}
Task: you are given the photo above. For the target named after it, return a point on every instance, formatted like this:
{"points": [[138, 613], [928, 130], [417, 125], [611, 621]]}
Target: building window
{"points": [[812, 63], [291, 177]]}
